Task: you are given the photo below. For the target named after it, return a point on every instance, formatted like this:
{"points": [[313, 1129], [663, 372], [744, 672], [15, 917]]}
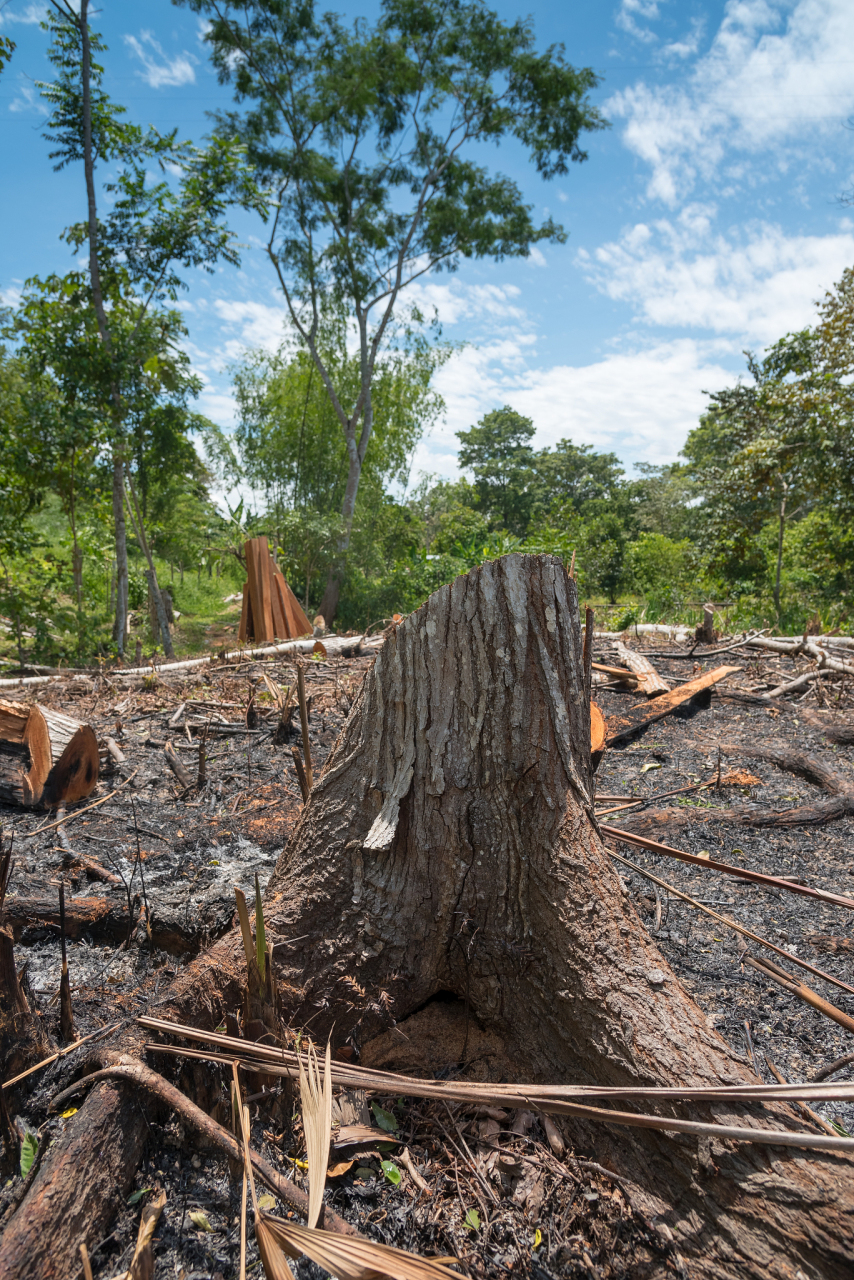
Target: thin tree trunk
{"points": [[151, 574], [332, 591], [120, 625], [780, 553]]}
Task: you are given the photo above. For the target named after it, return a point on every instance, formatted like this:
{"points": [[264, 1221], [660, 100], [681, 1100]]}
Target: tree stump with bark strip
{"points": [[45, 757], [450, 847]]}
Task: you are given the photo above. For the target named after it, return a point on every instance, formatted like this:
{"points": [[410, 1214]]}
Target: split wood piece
{"points": [[260, 593], [649, 681], [45, 756], [81, 1185], [617, 673], [180, 772], [296, 621], [646, 713], [799, 989], [802, 1107], [758, 877], [433, 858], [598, 729]]}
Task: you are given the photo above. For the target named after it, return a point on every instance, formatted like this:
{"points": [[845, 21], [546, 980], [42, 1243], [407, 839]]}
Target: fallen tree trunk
{"points": [[649, 681]]}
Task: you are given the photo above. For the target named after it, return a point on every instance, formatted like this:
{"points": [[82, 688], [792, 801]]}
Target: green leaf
{"points": [[391, 1172], [260, 935], [200, 1221], [384, 1119], [364, 1173], [472, 1220], [29, 1148], [136, 1196]]}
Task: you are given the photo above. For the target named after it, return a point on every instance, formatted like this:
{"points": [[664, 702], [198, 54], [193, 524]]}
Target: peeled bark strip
{"points": [[450, 847]]}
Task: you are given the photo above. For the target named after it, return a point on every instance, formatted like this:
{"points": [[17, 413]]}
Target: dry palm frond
{"points": [[316, 1098], [349, 1257]]}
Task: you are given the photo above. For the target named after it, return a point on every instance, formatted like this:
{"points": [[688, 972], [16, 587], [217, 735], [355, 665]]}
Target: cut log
{"points": [[449, 848], [296, 621], [45, 756], [649, 681], [258, 573], [74, 759]]}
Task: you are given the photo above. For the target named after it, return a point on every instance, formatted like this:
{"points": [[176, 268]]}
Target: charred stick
{"points": [[300, 768], [303, 715], [66, 1015]]}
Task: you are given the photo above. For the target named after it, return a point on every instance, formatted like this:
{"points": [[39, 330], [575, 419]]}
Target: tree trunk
{"points": [[120, 626], [780, 535], [450, 847]]}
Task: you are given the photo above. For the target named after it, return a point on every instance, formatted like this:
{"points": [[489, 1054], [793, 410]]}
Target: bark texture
{"points": [[450, 846], [79, 1188]]}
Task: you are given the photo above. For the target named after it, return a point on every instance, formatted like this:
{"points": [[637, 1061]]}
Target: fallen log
{"points": [[646, 713], [649, 681]]}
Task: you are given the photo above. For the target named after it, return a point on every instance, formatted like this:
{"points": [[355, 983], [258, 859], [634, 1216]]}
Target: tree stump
{"points": [[45, 756], [450, 847]]}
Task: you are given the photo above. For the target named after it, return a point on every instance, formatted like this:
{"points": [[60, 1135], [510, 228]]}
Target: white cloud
{"points": [[29, 16], [253, 324], [755, 286], [630, 11], [536, 258], [456, 301], [640, 404], [159, 71], [28, 99], [775, 72]]}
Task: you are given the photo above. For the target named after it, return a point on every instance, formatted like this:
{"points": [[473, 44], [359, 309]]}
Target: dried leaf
{"points": [[266, 1202], [650, 764], [338, 1170], [348, 1257], [200, 1220], [316, 1101], [66, 1115], [260, 934], [142, 1263]]}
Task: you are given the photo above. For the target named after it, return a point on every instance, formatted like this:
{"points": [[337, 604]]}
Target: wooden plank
{"points": [[644, 713], [296, 621], [280, 626], [257, 562]]}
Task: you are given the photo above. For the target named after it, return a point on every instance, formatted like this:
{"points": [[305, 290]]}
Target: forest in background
{"points": [[111, 482]]}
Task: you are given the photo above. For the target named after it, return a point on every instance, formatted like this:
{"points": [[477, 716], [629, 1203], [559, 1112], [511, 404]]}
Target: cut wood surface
{"points": [[649, 681], [45, 757], [644, 713], [598, 729]]}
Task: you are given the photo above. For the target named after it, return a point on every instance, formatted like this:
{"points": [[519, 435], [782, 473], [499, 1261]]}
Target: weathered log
{"points": [[649, 681], [450, 847], [81, 1185], [24, 753]]}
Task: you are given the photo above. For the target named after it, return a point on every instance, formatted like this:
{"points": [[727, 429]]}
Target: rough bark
{"points": [[450, 847], [79, 1188]]}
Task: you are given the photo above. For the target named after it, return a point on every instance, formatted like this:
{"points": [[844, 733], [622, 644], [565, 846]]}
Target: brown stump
{"points": [[450, 847], [45, 756]]}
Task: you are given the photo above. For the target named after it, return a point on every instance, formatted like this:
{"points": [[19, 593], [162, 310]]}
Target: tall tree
{"points": [[371, 140], [500, 456], [152, 229]]}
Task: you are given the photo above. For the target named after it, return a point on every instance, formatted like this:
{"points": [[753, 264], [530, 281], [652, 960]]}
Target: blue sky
{"points": [[706, 220]]}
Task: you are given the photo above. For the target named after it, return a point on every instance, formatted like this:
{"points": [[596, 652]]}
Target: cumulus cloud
{"points": [[251, 324], [158, 70], [28, 99], [641, 404], [775, 72], [630, 11], [28, 16], [755, 285]]}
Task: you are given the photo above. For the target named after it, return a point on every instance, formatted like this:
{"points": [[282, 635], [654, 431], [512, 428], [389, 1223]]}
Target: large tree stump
{"points": [[450, 846]]}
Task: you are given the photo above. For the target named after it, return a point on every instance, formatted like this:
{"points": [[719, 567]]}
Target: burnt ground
{"points": [[181, 852]]}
